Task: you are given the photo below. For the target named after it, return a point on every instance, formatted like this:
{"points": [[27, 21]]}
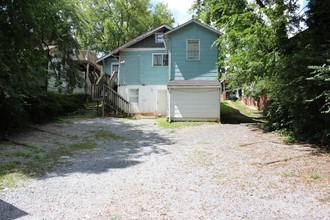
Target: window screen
{"points": [[192, 49], [160, 60]]}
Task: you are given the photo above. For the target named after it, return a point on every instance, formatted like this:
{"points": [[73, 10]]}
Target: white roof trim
{"points": [[103, 58], [144, 49], [189, 22]]}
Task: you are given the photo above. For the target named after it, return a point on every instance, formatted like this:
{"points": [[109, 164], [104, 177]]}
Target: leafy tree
{"points": [[111, 23], [252, 34], [27, 29], [321, 75], [162, 15]]}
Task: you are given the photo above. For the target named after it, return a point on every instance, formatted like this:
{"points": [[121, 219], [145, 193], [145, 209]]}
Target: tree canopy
{"points": [[27, 29], [111, 23]]}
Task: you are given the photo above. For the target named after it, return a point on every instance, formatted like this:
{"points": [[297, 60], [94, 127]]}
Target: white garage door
{"points": [[195, 104]]}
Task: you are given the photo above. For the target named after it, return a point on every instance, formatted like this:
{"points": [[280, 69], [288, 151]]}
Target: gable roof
{"points": [[190, 22], [141, 37]]}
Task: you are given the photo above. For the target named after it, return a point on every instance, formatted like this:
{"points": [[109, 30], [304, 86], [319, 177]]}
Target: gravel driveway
{"points": [[210, 171]]}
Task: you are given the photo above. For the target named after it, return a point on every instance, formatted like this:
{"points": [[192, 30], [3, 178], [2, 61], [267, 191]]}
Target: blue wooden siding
{"points": [[107, 64], [136, 68], [203, 69]]}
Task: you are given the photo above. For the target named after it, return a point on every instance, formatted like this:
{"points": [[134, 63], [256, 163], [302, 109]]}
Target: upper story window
{"points": [[159, 59], [193, 50], [159, 38]]}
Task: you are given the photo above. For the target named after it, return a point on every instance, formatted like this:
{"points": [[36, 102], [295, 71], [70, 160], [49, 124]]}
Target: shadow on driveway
{"points": [[129, 143], [8, 211]]}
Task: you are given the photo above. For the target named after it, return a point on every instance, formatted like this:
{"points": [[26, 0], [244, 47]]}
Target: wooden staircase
{"points": [[111, 100]]}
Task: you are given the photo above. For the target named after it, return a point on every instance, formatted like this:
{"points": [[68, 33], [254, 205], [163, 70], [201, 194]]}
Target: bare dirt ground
{"points": [[142, 171]]}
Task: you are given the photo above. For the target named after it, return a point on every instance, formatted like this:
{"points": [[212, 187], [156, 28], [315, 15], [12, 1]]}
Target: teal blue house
{"points": [[169, 71]]}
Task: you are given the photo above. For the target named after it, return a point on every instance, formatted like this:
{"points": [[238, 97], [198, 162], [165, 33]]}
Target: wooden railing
{"points": [[97, 92], [110, 99], [115, 101], [113, 78]]}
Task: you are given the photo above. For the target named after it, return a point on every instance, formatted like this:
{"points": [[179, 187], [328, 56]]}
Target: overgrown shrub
{"points": [[49, 105], [12, 111], [40, 107]]}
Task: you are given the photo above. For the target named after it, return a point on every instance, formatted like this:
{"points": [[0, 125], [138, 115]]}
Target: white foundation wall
{"points": [[152, 98]]}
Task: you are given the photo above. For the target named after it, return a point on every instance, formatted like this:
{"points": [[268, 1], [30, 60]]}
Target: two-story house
{"points": [[169, 71]]}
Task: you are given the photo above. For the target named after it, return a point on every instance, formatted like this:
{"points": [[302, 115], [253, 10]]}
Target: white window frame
{"points": [[157, 40], [112, 67], [133, 97], [162, 54], [187, 50]]}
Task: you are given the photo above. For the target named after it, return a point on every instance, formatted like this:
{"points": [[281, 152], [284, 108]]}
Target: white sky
{"points": [[179, 8]]}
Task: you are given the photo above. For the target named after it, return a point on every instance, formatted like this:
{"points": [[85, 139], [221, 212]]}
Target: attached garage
{"points": [[193, 100]]}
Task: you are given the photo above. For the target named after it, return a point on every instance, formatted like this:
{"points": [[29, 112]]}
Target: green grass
{"points": [[22, 154], [106, 135], [315, 175], [288, 174], [11, 180], [234, 112], [326, 199], [161, 122], [83, 145], [72, 137], [287, 137], [21, 162], [246, 110]]}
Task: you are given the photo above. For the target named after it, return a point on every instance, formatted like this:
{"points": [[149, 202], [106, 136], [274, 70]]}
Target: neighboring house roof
{"points": [[193, 83], [104, 57], [141, 37], [190, 22]]}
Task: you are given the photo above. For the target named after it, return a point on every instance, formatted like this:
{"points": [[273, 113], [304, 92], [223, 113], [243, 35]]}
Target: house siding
{"points": [[107, 64], [136, 68], [183, 69]]}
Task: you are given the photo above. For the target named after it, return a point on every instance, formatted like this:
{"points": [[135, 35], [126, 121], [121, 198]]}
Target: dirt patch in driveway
{"points": [[132, 169]]}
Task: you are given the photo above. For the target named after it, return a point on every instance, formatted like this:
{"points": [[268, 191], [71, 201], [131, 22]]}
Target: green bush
{"points": [[18, 111], [50, 105], [12, 109]]}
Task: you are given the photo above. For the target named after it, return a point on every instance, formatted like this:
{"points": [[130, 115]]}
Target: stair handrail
{"points": [[114, 73], [122, 104]]}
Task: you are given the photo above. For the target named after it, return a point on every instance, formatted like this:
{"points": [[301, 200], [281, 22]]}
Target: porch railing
{"points": [[110, 99]]}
